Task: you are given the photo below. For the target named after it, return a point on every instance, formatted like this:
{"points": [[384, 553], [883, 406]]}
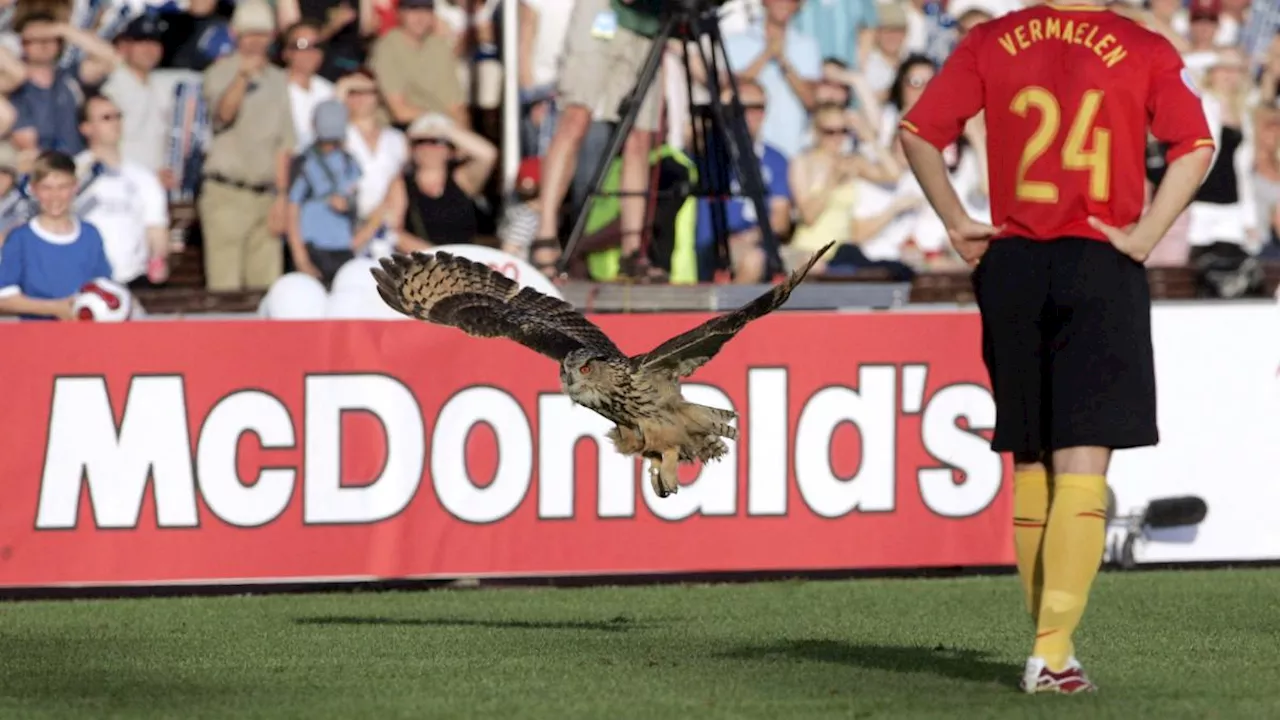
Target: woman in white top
{"points": [[1224, 208], [379, 149], [894, 223]]}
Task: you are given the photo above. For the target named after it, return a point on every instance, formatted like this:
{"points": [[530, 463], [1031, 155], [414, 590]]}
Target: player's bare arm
{"points": [[1180, 183], [969, 236]]}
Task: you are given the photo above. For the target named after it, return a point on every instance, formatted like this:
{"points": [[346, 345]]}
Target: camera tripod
{"points": [[720, 139]]}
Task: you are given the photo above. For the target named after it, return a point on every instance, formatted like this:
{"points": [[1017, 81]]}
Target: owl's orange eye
{"points": [[585, 369]]}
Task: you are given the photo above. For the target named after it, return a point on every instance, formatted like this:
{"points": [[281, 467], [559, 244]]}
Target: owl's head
{"points": [[578, 367]]}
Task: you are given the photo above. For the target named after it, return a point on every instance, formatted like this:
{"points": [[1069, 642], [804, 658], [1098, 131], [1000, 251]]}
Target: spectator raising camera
{"points": [[243, 202]]}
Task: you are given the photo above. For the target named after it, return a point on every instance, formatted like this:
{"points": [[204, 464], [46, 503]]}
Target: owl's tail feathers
{"points": [[712, 420], [706, 448]]}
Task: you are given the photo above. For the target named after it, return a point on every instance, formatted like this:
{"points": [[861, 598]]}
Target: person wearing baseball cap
{"points": [[145, 125], [519, 221], [323, 233], [1203, 16]]}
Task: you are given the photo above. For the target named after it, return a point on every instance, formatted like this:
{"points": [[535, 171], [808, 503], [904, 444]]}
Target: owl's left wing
{"points": [[690, 350], [459, 292]]}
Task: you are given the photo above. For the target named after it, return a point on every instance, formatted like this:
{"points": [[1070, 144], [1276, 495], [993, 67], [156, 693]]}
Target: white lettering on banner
{"points": [[326, 501], [767, 451], [233, 502], [956, 448], [454, 486], [153, 442], [561, 424], [872, 411], [84, 445]]}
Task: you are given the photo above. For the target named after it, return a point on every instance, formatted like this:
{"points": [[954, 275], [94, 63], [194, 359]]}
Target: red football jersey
{"points": [[1069, 93]]}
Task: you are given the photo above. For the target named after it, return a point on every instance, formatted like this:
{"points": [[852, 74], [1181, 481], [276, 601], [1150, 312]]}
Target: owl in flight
{"points": [[640, 394]]}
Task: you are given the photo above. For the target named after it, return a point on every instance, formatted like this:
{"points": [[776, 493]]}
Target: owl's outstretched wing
{"points": [[451, 290], [690, 350]]}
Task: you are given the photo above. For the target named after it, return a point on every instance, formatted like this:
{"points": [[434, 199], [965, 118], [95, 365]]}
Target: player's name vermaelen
{"points": [[1074, 32], [187, 458]]}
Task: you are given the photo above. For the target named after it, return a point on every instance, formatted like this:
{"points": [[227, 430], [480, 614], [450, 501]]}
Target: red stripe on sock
{"points": [[1028, 524], [1045, 633], [1094, 514]]}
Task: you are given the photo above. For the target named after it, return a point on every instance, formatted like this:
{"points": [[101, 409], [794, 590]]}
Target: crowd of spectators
{"points": [[309, 132]]}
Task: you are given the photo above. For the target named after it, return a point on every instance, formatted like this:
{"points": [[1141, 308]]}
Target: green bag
{"points": [[603, 264]]}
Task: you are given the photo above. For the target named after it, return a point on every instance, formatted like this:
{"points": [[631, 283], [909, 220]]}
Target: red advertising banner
{"points": [[207, 452]]}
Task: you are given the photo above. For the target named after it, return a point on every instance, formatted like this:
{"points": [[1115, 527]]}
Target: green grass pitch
{"points": [[1202, 644]]}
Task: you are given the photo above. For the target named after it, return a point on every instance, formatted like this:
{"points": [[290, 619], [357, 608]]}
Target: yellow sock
{"points": [[1030, 512], [1073, 544]]}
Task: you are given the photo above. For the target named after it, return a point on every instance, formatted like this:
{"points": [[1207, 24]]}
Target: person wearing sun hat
{"points": [[242, 202], [434, 201]]}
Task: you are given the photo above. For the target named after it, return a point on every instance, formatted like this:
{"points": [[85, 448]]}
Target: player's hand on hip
{"points": [[1124, 239], [971, 238]]}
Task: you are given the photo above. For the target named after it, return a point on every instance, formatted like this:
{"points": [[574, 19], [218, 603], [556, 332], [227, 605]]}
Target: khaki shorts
{"points": [[598, 73]]}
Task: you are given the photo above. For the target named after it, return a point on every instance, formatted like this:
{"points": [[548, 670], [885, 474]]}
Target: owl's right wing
{"points": [[448, 289], [683, 354]]}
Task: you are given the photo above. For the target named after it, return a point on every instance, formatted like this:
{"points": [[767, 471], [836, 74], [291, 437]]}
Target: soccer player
{"points": [[1069, 93]]}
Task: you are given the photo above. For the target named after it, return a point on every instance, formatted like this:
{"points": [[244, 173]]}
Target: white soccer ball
{"points": [[103, 300]]}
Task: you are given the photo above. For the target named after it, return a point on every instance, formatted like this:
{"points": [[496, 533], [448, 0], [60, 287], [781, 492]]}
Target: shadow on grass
{"points": [[67, 676], [620, 623], [955, 663]]}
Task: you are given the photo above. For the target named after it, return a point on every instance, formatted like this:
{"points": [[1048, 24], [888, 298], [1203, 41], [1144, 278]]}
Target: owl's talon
{"points": [[663, 476], [655, 479]]}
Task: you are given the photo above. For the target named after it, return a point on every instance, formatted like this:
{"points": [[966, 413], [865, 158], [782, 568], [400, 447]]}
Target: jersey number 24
{"points": [[1095, 161]]}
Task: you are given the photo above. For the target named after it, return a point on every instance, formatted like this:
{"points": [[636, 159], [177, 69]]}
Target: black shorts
{"points": [[1066, 337]]}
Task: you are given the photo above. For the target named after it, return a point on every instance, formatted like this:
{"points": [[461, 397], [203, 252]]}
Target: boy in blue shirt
{"points": [[46, 261], [323, 233]]}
